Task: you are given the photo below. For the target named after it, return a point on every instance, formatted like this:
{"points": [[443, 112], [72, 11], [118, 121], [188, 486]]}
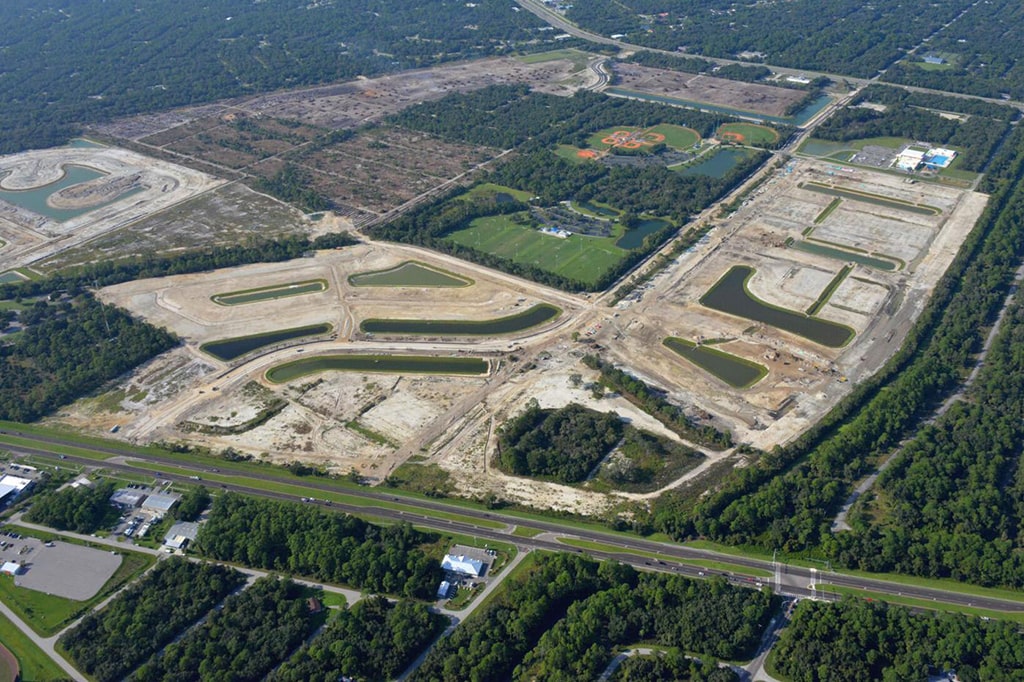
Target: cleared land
{"points": [[761, 99], [121, 187]]}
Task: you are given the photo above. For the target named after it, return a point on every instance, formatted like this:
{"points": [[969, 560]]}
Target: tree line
{"points": [[788, 498], [141, 620], [653, 402], [68, 349], [81, 510], [252, 634], [374, 640], [855, 639], [307, 541], [563, 445], [562, 618]]}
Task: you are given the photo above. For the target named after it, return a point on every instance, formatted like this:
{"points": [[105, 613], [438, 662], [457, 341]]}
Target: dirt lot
{"points": [[351, 104], [804, 378], [373, 423], [132, 187], [762, 99], [230, 214]]}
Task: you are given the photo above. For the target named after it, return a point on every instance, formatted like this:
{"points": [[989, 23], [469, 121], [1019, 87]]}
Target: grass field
{"points": [[36, 666], [579, 258], [677, 136], [748, 133], [578, 59], [490, 189], [46, 613]]}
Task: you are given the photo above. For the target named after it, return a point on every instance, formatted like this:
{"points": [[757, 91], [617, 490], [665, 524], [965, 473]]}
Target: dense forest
{"points": [[653, 402], [255, 631], [978, 136], [67, 349], [81, 509], [858, 640], [951, 502], [982, 51], [563, 445], [142, 619], [374, 640], [73, 61], [835, 36], [561, 619], [671, 666], [886, 94], [306, 541], [787, 500]]}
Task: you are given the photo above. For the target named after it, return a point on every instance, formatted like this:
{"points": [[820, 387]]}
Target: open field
{"points": [[762, 99], [35, 665], [578, 257], [747, 133]]}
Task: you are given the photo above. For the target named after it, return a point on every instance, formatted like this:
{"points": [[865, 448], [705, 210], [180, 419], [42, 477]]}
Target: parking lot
{"points": [[58, 568]]}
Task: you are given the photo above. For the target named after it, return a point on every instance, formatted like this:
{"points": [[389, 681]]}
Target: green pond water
{"points": [[538, 314], [408, 274], [718, 166], [634, 239], [10, 277], [870, 199], [391, 364], [735, 371], [35, 199], [271, 293], [729, 295], [845, 256], [229, 349]]}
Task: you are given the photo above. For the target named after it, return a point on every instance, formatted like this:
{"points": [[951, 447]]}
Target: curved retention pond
{"points": [[229, 349], [538, 314], [634, 239], [718, 166], [730, 295], [408, 274], [736, 371], [312, 286], [390, 364], [35, 199]]}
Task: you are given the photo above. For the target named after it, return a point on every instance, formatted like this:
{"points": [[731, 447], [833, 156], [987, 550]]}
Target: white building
{"points": [[11, 487], [463, 565], [909, 159]]}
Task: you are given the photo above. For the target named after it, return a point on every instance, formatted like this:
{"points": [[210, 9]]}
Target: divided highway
{"points": [[789, 580]]}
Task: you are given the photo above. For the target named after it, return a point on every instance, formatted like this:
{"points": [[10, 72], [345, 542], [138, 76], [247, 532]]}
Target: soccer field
{"points": [[578, 257]]}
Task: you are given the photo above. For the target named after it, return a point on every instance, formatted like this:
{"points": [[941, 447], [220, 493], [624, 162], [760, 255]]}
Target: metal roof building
{"points": [[180, 534], [463, 565], [160, 503], [127, 497]]}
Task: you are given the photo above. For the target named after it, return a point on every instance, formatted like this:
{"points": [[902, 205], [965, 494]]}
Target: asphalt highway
{"points": [[794, 581]]}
